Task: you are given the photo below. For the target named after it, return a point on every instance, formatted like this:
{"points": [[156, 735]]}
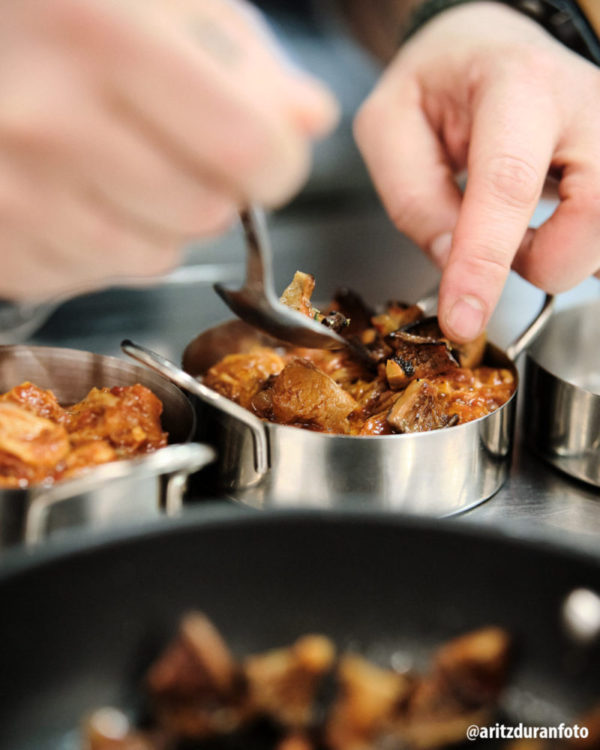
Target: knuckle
{"points": [[487, 263], [514, 181]]}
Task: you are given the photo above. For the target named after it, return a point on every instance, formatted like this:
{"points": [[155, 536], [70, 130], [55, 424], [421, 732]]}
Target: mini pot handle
{"points": [[176, 375], [175, 462], [533, 329]]}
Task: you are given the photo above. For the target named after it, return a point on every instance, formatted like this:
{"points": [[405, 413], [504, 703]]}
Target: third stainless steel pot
{"points": [[562, 387]]}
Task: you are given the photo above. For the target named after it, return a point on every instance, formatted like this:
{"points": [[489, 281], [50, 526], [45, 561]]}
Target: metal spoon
{"points": [[257, 304]]}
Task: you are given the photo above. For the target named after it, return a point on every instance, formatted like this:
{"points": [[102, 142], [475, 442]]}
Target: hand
{"points": [[484, 87], [127, 127]]}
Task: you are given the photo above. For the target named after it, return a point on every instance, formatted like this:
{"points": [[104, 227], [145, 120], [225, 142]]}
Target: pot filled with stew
{"points": [[87, 439], [415, 423]]}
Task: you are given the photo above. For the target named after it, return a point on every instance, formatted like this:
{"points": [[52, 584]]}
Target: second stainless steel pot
{"points": [[271, 465]]}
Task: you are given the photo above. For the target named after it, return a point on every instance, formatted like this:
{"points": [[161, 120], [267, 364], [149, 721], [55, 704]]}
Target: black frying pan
{"points": [[79, 625]]}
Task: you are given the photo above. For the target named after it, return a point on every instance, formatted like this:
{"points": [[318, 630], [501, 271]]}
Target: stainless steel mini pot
{"points": [[122, 490], [562, 393], [270, 465]]}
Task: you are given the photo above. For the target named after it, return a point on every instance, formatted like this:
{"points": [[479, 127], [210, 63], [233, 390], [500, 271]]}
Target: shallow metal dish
{"points": [[562, 387], [270, 465], [117, 491]]}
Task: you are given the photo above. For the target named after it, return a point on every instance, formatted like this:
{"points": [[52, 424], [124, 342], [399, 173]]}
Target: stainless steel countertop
{"points": [[347, 244]]}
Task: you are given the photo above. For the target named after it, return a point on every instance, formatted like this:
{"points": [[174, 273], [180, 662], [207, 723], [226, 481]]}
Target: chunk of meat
{"points": [[302, 395], [31, 439], [197, 661], [128, 418], [36, 400], [416, 357], [196, 684], [240, 376], [418, 408], [469, 354], [283, 683]]}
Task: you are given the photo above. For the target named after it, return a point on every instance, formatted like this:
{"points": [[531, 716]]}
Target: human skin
{"points": [[481, 87], [129, 126]]}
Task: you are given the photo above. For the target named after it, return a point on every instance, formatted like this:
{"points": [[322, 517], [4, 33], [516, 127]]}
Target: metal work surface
{"points": [[352, 246]]}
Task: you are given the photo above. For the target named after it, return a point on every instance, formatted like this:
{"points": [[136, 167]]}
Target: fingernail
{"points": [[465, 319], [440, 248]]}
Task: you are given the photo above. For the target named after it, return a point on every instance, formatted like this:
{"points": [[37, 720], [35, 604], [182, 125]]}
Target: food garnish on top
{"points": [[418, 379]]}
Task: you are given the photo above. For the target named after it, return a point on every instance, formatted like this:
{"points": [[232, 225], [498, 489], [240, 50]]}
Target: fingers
{"points": [[408, 165], [125, 169], [59, 238], [510, 151], [206, 109], [102, 152], [565, 250]]}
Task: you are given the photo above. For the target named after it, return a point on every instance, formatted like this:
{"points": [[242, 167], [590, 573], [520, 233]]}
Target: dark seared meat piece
{"points": [[416, 357], [418, 408], [469, 354], [197, 661], [196, 686]]}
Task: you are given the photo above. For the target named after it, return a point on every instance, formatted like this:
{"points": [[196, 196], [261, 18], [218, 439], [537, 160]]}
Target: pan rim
{"points": [[21, 561]]}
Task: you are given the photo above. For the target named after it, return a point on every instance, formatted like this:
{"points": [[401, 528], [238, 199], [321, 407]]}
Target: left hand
{"points": [[482, 86]]}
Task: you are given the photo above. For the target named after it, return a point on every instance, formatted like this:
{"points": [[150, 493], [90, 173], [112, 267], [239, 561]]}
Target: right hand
{"points": [[128, 127]]}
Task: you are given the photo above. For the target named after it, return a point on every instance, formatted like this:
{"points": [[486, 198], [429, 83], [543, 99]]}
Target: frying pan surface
{"points": [[81, 621]]}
